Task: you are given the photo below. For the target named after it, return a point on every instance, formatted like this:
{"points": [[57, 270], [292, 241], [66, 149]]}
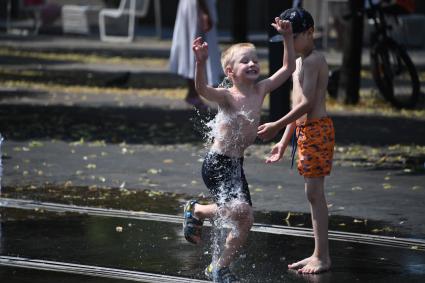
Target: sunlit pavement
{"points": [[77, 242], [79, 169]]}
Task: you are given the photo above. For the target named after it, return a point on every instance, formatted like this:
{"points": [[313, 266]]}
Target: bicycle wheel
{"points": [[394, 74]]}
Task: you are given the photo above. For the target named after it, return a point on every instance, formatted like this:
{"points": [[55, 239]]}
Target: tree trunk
{"points": [[279, 98], [352, 56], [239, 26]]}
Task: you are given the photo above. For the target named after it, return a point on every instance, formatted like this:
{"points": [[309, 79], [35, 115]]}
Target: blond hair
{"points": [[228, 56]]}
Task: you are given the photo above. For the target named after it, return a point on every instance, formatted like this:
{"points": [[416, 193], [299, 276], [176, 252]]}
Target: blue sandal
{"points": [[192, 227]]}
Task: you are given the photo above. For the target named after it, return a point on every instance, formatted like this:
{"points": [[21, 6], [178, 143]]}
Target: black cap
{"points": [[300, 19]]}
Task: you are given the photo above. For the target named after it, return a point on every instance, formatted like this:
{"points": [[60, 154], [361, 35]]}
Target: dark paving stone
{"points": [[19, 275], [160, 248]]}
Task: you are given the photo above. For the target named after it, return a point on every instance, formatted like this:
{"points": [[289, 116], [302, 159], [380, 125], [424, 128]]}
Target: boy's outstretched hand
{"points": [[282, 27], [276, 153], [267, 131], [200, 48]]}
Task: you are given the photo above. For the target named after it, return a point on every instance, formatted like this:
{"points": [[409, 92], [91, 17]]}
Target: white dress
{"points": [[186, 29]]}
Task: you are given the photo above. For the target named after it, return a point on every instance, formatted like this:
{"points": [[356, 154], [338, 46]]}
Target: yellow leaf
{"points": [[387, 186], [91, 166], [35, 144], [154, 171]]}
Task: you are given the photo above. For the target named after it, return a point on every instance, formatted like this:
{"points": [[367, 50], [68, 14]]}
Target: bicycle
{"points": [[392, 69]]}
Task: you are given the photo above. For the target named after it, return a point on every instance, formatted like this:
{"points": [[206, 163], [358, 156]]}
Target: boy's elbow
{"points": [[290, 67], [201, 89]]}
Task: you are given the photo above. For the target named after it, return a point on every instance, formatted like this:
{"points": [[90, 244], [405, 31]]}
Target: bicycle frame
{"points": [[376, 14]]}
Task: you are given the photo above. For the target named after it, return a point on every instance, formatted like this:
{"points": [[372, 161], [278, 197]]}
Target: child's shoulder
{"points": [[315, 58]]}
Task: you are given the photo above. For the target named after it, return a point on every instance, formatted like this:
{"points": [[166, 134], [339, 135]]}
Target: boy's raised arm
{"points": [[200, 49], [311, 73], [288, 65]]}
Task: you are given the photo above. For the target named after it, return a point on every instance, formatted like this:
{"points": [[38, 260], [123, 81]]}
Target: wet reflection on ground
{"points": [[19, 275], [160, 248], [169, 203], [157, 247]]}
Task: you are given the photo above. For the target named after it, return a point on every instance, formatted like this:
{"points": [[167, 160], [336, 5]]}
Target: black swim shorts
{"points": [[225, 178]]}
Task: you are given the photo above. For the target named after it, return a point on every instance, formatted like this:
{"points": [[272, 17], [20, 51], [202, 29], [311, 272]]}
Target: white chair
{"points": [[130, 9], [74, 19], [31, 8]]}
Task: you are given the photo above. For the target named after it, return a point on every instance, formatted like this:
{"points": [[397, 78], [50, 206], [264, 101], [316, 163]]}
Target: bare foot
{"points": [[315, 265], [299, 264]]}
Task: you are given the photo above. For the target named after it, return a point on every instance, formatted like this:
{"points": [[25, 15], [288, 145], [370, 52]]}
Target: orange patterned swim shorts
{"points": [[316, 140]]}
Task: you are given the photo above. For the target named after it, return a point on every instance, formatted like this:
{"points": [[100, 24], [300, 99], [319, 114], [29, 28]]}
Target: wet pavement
{"points": [[160, 248], [93, 185], [20, 275], [391, 196], [154, 246]]}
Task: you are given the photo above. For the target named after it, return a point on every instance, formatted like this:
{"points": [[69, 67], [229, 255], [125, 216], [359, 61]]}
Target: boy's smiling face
{"points": [[245, 65]]}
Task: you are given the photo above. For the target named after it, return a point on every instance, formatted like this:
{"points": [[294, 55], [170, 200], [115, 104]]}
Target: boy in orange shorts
{"points": [[313, 130]]}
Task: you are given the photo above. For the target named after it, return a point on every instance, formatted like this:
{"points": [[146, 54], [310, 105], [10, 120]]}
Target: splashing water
{"points": [[226, 83], [228, 134], [225, 132]]}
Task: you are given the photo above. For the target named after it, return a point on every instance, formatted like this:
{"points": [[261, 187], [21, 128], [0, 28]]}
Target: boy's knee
{"points": [[247, 214], [311, 196], [244, 214], [314, 196], [314, 189]]}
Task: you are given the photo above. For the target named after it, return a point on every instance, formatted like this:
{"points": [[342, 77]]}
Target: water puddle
{"points": [[20, 275], [160, 248], [171, 203]]}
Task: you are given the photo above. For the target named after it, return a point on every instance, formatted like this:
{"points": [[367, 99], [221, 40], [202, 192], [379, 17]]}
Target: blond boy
{"points": [[238, 117]]}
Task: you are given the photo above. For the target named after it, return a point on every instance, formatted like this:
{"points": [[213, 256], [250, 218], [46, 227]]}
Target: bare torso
{"points": [[235, 126], [319, 105]]}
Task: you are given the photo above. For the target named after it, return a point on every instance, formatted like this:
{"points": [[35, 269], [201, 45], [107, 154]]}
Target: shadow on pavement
{"points": [[156, 125], [160, 248], [12, 94], [24, 61]]}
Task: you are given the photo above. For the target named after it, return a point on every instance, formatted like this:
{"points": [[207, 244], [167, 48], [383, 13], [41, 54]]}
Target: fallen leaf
{"points": [[387, 186]]}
